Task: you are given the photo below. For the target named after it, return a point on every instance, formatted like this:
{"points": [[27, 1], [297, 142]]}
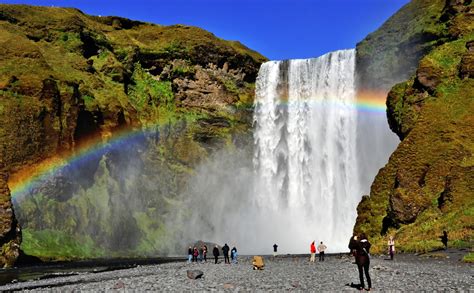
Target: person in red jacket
{"points": [[313, 251], [195, 254]]}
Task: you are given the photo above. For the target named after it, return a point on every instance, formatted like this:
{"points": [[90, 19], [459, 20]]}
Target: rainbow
{"points": [[371, 101], [366, 101], [25, 180]]}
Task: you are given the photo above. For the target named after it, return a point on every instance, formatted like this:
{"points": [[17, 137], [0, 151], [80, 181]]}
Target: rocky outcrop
{"points": [[427, 185], [467, 62], [68, 78], [10, 234]]}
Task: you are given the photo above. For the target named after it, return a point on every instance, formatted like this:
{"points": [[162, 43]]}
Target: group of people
{"points": [[313, 249], [195, 254], [359, 246]]}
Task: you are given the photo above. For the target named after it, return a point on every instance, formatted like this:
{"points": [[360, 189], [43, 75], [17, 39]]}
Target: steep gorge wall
{"points": [[427, 185], [66, 78]]}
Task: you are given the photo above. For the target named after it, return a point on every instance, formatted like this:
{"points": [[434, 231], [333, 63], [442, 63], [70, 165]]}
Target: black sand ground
{"points": [[405, 273]]}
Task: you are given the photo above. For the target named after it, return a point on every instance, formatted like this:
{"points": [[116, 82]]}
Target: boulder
{"points": [[194, 274]]}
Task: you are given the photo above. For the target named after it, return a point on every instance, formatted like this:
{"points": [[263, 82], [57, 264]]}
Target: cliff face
{"points": [[67, 77], [428, 184], [391, 54], [10, 234]]}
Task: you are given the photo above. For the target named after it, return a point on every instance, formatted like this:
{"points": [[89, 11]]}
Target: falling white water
{"points": [[314, 158], [305, 146]]}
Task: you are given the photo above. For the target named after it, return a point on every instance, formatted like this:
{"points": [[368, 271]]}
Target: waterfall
{"points": [[315, 154], [305, 146]]}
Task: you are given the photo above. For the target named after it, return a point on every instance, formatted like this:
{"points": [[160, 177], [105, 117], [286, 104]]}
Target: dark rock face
{"points": [[427, 182], [10, 233], [467, 62]]}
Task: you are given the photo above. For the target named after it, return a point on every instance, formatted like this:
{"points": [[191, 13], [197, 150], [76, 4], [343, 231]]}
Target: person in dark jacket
{"points": [[225, 251], [444, 239], [215, 252], [362, 256]]}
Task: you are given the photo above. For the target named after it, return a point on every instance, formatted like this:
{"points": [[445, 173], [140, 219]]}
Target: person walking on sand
{"points": [[190, 254], [215, 252], [391, 247], [362, 249], [275, 247], [225, 251], [321, 249], [444, 239], [312, 249]]}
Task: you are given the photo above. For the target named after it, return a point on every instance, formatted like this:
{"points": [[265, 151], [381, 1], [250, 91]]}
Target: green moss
{"points": [[469, 258], [231, 86], [151, 230], [89, 101], [147, 91], [183, 70], [439, 149], [70, 40], [58, 245]]}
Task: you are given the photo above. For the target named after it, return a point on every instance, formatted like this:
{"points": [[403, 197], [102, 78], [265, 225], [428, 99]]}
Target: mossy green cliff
{"points": [[67, 77], [428, 184]]}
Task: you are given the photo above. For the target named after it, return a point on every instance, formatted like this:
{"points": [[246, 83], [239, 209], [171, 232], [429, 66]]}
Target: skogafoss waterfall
{"points": [[303, 183], [305, 146]]}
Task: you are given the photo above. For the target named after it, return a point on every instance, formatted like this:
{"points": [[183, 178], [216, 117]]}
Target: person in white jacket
{"points": [[321, 249], [391, 247]]}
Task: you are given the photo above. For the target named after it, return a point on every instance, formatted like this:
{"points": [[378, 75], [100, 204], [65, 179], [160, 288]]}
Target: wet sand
{"points": [[406, 272]]}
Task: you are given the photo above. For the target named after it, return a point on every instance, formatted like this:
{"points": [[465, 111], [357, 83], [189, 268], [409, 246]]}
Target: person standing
{"points": [[233, 253], [215, 252], [352, 245], [362, 251], [275, 247], [201, 253], [225, 251], [391, 247], [195, 254], [312, 249], [444, 239], [204, 252], [321, 249], [190, 254]]}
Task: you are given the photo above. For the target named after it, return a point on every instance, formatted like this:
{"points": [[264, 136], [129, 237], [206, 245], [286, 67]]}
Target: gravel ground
{"points": [[406, 272]]}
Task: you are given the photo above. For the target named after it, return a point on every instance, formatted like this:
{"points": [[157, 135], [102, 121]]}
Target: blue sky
{"points": [[279, 29]]}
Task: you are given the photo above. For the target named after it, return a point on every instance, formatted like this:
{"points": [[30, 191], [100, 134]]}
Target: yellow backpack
{"points": [[258, 263]]}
